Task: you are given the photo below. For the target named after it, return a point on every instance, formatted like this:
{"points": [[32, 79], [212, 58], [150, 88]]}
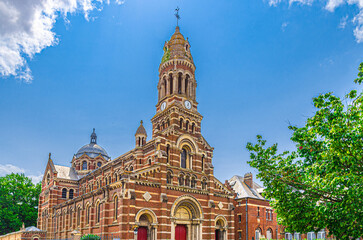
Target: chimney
{"points": [[248, 179]]}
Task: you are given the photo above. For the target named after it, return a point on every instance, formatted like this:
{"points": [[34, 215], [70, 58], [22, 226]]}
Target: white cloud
{"points": [[9, 168], [284, 25], [343, 22], [27, 28], [331, 5]]}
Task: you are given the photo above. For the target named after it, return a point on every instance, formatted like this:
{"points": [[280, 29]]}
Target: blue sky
{"points": [[259, 64]]}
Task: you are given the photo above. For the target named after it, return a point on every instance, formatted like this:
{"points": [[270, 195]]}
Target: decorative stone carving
{"points": [[147, 196], [220, 205]]}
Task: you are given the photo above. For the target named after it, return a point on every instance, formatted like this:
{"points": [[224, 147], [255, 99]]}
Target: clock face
{"points": [[163, 105], [187, 105]]}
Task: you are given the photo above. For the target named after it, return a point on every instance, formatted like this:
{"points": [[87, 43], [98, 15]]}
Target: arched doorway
{"points": [[220, 228], [186, 217], [147, 225]]}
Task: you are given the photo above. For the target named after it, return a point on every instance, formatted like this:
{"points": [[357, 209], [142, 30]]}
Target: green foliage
{"points": [[166, 55], [18, 202], [320, 184], [90, 237]]}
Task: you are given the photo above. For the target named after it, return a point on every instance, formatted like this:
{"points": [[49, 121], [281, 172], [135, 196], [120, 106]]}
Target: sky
{"points": [[68, 66]]}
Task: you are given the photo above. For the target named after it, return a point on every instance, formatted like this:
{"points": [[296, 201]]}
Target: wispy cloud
{"points": [[284, 25], [331, 5], [27, 28], [9, 168]]}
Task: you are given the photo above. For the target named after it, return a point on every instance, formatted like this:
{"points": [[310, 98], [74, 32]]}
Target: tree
{"points": [[18, 202], [320, 184]]}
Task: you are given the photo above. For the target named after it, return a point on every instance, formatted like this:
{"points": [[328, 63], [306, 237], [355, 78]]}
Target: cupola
{"points": [[140, 135]]}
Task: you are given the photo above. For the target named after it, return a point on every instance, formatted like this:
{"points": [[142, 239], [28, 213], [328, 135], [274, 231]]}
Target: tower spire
{"points": [[177, 16], [93, 137]]}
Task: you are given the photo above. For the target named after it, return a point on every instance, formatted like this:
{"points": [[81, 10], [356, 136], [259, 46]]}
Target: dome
{"points": [[177, 48], [141, 130], [92, 149]]}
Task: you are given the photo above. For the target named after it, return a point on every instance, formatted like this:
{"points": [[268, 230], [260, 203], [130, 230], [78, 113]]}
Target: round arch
{"points": [[149, 213], [185, 139]]}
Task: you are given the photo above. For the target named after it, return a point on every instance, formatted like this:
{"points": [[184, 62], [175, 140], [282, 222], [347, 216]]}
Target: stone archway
{"points": [[220, 228], [147, 223], [186, 219]]}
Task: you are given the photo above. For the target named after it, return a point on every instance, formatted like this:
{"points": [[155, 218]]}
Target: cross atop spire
{"points": [[177, 16]]}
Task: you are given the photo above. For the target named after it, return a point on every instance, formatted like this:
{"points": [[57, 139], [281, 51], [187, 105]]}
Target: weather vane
{"points": [[177, 15]]}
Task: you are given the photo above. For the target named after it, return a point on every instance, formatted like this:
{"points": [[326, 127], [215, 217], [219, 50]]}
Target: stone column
{"points": [[175, 83]]}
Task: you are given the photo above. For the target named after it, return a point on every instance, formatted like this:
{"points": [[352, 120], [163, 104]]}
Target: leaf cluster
{"points": [[320, 184], [18, 202]]}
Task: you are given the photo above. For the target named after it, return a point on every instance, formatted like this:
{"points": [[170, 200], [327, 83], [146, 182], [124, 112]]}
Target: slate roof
{"points": [[243, 190], [66, 172], [32, 229], [141, 130]]}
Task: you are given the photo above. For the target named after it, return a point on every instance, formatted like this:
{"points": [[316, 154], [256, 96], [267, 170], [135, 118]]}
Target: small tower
{"points": [[93, 137], [140, 135]]}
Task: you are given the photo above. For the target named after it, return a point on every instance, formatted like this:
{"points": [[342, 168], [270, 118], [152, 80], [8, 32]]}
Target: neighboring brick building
{"points": [[29, 233], [164, 188], [260, 220]]}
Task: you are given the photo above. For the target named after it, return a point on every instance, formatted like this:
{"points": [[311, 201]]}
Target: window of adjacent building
{"points": [[71, 192], [269, 233], [64, 193], [321, 234], [288, 236], [297, 236], [311, 236], [239, 235], [258, 212], [84, 165], [267, 215], [258, 234], [239, 218]]}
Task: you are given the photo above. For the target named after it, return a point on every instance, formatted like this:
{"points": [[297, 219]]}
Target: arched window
{"points": [[88, 213], [193, 127], [168, 123], [109, 179], [258, 233], [181, 124], [193, 182], [167, 153], [186, 85], [181, 180], [99, 164], [115, 208], [186, 125], [179, 83], [183, 158], [149, 161], [171, 83], [71, 191], [78, 216], [269, 233], [169, 179], [187, 181], [131, 168], [48, 179], [84, 165], [64, 193], [98, 212], [98, 184], [203, 163], [139, 139], [115, 177], [204, 184]]}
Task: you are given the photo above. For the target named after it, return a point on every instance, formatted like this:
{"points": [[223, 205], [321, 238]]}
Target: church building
{"points": [[164, 188]]}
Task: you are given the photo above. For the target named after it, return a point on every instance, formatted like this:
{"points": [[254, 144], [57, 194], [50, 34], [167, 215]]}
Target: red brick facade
{"points": [[162, 187]]}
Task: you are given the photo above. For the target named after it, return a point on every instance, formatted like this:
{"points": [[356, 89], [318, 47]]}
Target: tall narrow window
{"points": [[183, 158], [267, 218], [64, 193], [181, 180], [71, 192], [88, 213], [84, 165], [98, 213], [78, 216], [171, 83], [202, 163], [187, 181], [239, 218], [181, 124], [193, 182], [186, 85], [168, 178], [109, 180], [167, 153], [186, 125], [258, 211], [116, 208], [193, 127], [179, 83]]}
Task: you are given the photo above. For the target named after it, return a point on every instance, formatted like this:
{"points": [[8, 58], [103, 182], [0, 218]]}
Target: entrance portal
{"points": [[142, 233], [180, 232]]}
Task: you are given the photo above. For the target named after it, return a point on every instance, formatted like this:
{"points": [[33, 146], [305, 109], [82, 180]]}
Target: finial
{"points": [[50, 155], [177, 16], [93, 137], [141, 122]]}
